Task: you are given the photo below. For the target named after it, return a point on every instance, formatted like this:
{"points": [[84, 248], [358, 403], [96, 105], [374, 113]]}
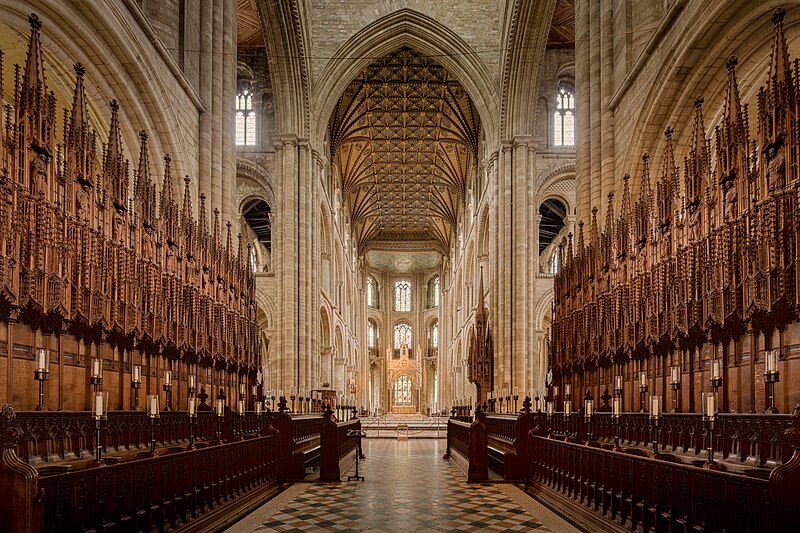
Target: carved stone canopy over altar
{"points": [[403, 135]]}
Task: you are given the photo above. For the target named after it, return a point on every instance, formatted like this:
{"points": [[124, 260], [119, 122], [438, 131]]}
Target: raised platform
{"points": [[396, 426]]}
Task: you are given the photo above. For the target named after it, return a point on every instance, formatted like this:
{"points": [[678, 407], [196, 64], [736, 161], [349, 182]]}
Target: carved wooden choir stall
{"points": [[693, 291], [118, 309], [91, 268]]}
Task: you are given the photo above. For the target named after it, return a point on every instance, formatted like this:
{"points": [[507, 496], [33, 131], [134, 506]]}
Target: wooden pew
{"points": [[338, 449], [467, 446], [507, 440], [299, 437]]}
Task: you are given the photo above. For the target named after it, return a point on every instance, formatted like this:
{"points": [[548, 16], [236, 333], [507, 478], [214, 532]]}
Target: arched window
{"points": [[402, 335], [253, 264], [245, 119], [564, 118], [433, 292], [372, 334], [402, 296], [372, 293], [402, 390], [435, 335], [554, 263]]}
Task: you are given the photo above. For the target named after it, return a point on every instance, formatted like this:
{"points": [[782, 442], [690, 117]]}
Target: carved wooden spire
{"points": [[115, 166], [168, 206], [33, 97]]}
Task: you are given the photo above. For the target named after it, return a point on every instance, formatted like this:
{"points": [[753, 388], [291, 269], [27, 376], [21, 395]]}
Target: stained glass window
{"points": [[245, 120], [564, 118], [435, 335], [402, 335], [371, 334], [402, 296], [402, 391]]}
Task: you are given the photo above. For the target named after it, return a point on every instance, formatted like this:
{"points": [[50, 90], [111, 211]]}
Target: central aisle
{"points": [[408, 487]]}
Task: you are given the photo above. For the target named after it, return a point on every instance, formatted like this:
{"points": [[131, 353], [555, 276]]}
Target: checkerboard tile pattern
{"points": [[408, 487]]}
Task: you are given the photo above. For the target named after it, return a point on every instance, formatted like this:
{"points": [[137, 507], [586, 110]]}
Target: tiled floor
{"points": [[408, 487]]}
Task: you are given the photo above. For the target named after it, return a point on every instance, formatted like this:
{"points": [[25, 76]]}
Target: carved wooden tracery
{"points": [[676, 270], [78, 254], [404, 135]]}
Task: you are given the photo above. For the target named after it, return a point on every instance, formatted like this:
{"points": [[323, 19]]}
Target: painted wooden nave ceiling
{"points": [[404, 135]]}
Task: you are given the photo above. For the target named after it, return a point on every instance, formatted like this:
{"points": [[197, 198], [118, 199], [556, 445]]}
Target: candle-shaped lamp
{"points": [[567, 390], [567, 408], [618, 384], [709, 404], [192, 409], [675, 374], [100, 404], [95, 368], [588, 406], [41, 360], [137, 374], [168, 378], [220, 407], [192, 381], [655, 406], [617, 407]]}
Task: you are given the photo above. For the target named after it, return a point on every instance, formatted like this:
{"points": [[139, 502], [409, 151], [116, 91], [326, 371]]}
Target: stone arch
{"points": [[264, 301], [285, 37], [325, 327], [262, 181], [114, 71], [542, 307], [559, 183], [483, 233], [525, 36], [404, 27], [747, 33]]}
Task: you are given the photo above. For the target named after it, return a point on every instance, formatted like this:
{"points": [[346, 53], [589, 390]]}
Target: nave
{"points": [[407, 487]]}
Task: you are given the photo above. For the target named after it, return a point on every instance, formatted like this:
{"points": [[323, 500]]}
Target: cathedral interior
{"points": [[355, 265]]}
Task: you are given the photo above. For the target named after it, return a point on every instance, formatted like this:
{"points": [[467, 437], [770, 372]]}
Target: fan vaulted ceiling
{"points": [[404, 135]]}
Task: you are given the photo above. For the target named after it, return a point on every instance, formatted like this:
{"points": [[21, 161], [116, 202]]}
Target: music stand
{"points": [[356, 433]]}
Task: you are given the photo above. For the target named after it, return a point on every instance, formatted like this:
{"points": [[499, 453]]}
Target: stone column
{"points": [[583, 184], [607, 116], [228, 95], [206, 76], [217, 104]]}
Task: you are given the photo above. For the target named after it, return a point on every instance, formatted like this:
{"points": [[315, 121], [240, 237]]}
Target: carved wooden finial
{"points": [[793, 433], [36, 24], [698, 102], [9, 428], [777, 16]]}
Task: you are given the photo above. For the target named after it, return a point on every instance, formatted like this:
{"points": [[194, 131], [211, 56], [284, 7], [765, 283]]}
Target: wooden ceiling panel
{"points": [[404, 133], [562, 30], [248, 25]]}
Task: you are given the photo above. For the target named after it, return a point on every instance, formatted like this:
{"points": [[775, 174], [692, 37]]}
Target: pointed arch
{"points": [[404, 27], [525, 37], [285, 36]]}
